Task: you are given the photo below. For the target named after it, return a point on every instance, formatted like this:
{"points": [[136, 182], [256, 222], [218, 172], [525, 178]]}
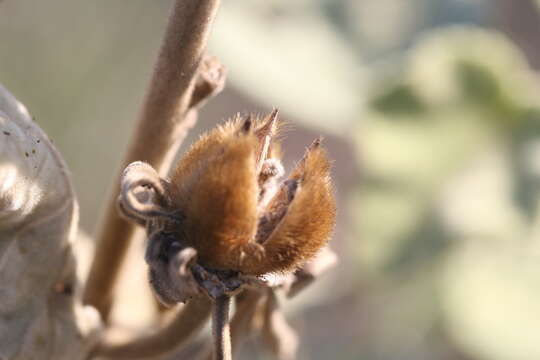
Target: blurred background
{"points": [[430, 109]]}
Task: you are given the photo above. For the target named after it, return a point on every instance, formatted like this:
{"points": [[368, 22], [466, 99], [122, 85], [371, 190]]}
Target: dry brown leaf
{"points": [[41, 316]]}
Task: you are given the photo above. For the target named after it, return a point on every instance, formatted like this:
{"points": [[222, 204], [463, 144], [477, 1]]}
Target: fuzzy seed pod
{"points": [[237, 214], [226, 200]]}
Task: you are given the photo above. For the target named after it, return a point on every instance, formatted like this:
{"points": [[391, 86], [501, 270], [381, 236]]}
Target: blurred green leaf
{"points": [[399, 99], [452, 102]]}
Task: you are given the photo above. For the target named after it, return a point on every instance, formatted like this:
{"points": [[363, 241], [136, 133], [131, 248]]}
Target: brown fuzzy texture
{"points": [[308, 223], [220, 202], [217, 185]]}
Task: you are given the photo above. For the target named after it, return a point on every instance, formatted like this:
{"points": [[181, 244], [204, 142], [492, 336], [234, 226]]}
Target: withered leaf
{"points": [[41, 316]]}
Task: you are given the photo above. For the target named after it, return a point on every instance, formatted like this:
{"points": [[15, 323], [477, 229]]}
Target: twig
{"points": [[325, 260], [187, 322], [221, 329], [277, 334], [163, 119], [247, 304]]}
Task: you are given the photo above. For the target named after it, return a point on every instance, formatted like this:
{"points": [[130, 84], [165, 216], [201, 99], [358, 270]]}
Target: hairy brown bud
{"points": [[219, 186], [225, 199]]}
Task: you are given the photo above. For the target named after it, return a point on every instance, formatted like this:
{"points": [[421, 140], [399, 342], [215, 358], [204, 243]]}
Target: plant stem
{"points": [[247, 304], [163, 119], [220, 328], [186, 323]]}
